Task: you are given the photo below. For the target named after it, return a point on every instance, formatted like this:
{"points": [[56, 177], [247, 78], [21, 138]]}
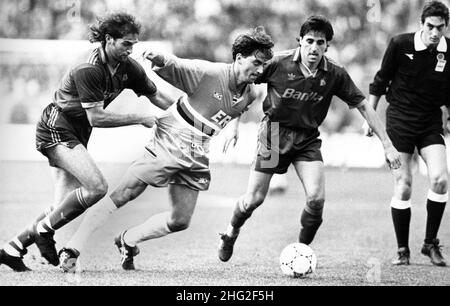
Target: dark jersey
{"points": [[92, 84], [298, 102], [415, 79]]}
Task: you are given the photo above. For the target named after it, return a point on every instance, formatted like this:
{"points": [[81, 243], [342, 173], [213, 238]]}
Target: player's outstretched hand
{"points": [[393, 158], [156, 58], [149, 121], [368, 131], [231, 138]]}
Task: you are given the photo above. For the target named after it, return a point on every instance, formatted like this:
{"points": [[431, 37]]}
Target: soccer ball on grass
{"points": [[298, 260]]}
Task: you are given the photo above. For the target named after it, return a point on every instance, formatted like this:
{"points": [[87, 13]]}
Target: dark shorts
{"points": [[278, 148], [55, 128], [407, 134]]}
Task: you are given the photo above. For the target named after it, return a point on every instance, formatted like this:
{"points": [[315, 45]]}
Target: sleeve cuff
{"points": [[92, 104]]}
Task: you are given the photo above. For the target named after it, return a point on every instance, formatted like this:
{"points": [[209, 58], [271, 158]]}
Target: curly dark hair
{"points": [[435, 9], [257, 40], [117, 25], [318, 24]]}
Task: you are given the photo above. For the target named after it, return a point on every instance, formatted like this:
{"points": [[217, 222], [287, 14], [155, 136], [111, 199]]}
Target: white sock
{"points": [[232, 231], [96, 216], [10, 250], [436, 197], [40, 226], [155, 227]]}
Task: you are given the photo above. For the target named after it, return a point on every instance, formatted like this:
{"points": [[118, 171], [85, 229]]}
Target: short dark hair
{"points": [[317, 24], [258, 40], [117, 25], [435, 9]]}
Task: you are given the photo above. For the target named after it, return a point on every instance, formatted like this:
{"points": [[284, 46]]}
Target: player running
{"points": [[177, 156], [415, 77], [63, 132], [301, 83]]}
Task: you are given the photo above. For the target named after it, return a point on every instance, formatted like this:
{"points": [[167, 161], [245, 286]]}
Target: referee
{"points": [[415, 77]]}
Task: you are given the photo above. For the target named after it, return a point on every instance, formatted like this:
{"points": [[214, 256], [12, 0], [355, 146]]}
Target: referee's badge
{"points": [[441, 62]]}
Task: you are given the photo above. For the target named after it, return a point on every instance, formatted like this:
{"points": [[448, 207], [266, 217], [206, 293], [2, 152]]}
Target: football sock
{"points": [[96, 216], [240, 214], [72, 206], [310, 224], [14, 248], [23, 240], [155, 227], [435, 208], [401, 217]]}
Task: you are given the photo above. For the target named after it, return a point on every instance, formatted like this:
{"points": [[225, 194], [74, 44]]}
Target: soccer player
{"points": [[177, 156], [415, 77], [62, 134], [301, 83]]}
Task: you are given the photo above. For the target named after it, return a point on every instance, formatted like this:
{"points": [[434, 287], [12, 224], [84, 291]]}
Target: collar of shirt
{"points": [[232, 81], [420, 46], [323, 65], [104, 61]]}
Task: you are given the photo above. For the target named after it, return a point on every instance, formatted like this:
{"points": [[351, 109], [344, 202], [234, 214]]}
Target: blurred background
{"points": [[41, 39]]}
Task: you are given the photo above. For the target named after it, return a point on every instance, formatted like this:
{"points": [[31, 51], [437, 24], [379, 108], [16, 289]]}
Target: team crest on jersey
{"points": [[218, 96], [323, 82], [125, 77], [291, 76]]}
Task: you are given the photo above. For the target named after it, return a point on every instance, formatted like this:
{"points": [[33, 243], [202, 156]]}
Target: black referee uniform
{"points": [[416, 81]]}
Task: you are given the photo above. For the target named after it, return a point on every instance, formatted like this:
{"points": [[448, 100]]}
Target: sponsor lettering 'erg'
{"points": [[221, 118], [290, 93]]}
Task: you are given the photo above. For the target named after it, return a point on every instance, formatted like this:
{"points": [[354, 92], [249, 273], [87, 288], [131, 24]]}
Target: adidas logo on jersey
{"points": [[291, 76], [323, 83], [237, 99], [203, 180]]}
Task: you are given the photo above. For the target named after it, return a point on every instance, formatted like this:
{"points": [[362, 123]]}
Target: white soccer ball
{"points": [[298, 260]]}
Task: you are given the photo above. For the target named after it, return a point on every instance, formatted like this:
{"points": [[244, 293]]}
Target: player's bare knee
{"points": [[254, 200], [439, 183], [404, 185], [179, 225], [97, 191], [315, 203]]}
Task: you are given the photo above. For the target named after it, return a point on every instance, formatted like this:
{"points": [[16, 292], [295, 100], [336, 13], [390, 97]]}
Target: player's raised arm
{"points": [[184, 74]]}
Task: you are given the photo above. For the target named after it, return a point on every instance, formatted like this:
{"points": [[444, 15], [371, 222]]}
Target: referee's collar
{"points": [[420, 46], [322, 65]]}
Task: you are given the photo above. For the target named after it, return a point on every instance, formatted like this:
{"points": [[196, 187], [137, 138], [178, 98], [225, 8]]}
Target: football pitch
{"points": [[354, 245]]}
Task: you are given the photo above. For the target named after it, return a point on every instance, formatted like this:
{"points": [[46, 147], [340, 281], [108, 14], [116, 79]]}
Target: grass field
{"points": [[355, 243]]}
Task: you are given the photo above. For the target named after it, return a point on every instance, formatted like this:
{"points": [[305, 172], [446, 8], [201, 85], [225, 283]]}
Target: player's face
{"points": [[250, 67], [120, 48], [313, 45], [433, 28]]}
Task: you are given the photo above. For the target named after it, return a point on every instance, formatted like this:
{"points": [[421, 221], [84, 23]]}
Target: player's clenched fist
{"points": [[156, 58]]}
